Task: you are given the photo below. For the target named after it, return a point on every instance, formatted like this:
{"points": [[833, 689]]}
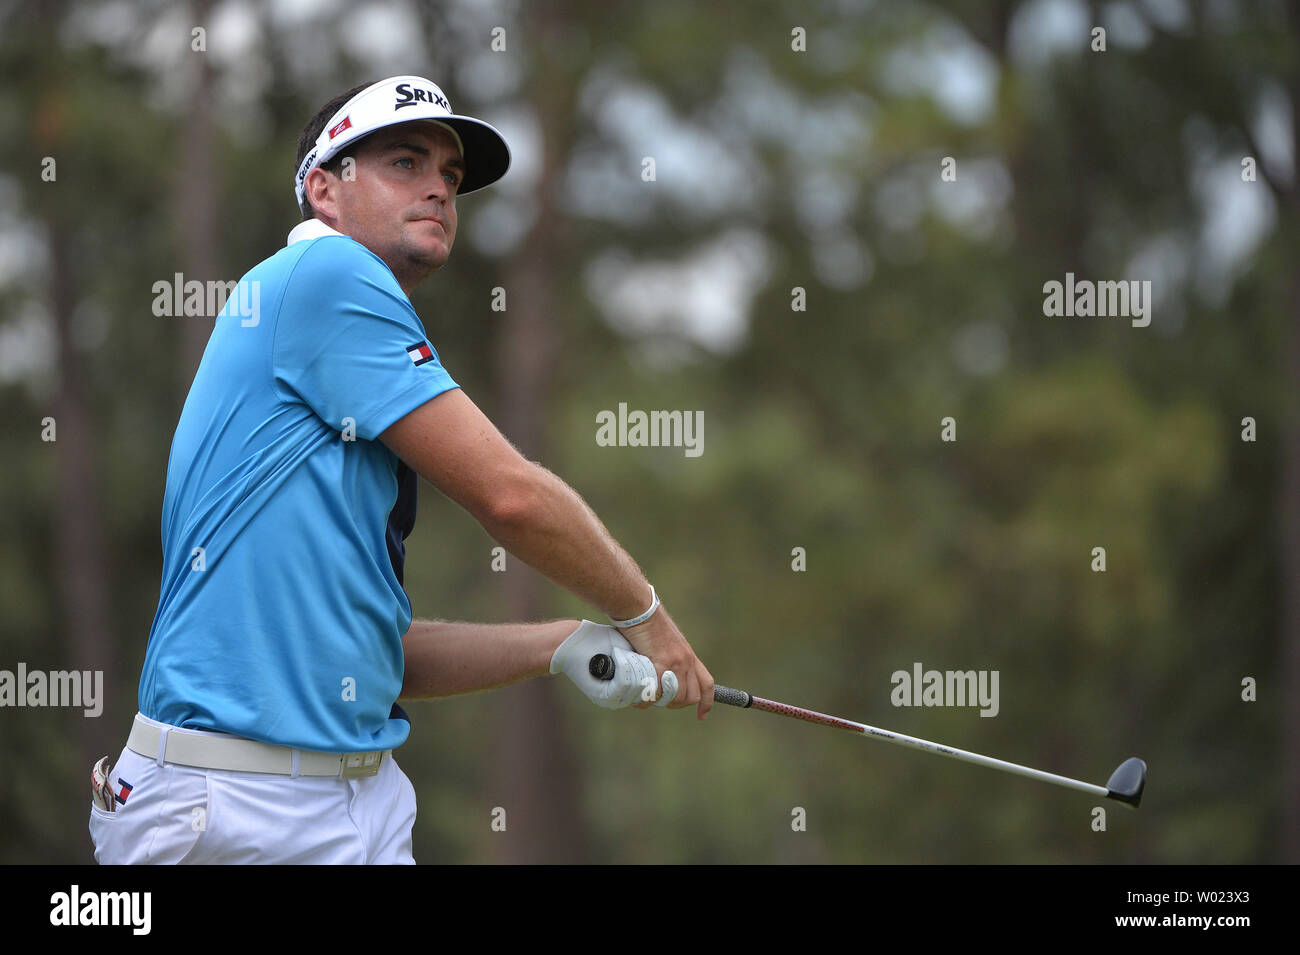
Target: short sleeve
{"points": [[348, 342]]}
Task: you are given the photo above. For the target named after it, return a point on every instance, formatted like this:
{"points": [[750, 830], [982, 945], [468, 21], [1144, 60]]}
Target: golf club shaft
{"points": [[725, 694]]}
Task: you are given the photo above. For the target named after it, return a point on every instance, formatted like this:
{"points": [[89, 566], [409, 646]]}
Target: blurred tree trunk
{"points": [[82, 559], [1290, 491], [196, 200], [82, 555], [537, 774], [1289, 201]]}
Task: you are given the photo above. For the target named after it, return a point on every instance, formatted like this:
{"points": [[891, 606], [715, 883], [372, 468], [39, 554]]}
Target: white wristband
{"points": [[654, 605]]}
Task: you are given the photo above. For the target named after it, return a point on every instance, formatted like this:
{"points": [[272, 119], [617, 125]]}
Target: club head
{"points": [[1127, 782]]}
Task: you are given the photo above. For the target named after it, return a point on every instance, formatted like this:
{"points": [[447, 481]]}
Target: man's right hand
{"points": [[659, 639]]}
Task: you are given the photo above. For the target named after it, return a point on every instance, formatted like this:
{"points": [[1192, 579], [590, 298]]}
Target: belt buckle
{"points": [[359, 765]]}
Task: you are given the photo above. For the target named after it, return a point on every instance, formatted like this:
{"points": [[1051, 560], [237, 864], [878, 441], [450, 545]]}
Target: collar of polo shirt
{"points": [[405, 99]]}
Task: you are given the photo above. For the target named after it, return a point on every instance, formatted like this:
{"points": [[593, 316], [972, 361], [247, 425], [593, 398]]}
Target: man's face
{"points": [[402, 203]]}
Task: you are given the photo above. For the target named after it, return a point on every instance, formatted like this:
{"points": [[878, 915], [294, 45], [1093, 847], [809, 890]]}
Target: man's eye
{"points": [[453, 178], [406, 159]]}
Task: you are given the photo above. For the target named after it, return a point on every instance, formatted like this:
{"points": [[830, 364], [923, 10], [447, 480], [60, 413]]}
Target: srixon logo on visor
{"points": [[409, 97], [306, 165]]}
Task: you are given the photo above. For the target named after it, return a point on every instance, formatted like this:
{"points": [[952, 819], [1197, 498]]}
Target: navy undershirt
{"points": [[401, 521]]}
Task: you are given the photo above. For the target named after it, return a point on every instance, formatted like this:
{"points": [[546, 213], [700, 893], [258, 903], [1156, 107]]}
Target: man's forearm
{"points": [[445, 658], [560, 536]]}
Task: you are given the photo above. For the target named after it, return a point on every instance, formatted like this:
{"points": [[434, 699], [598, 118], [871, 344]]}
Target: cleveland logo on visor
{"points": [[420, 352]]}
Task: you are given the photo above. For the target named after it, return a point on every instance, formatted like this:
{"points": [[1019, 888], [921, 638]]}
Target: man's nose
{"points": [[438, 188]]}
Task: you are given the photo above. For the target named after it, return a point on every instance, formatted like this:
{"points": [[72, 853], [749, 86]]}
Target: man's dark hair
{"points": [[311, 132]]}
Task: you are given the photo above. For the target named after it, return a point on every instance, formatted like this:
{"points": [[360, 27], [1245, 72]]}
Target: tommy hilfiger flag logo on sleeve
{"points": [[420, 352]]}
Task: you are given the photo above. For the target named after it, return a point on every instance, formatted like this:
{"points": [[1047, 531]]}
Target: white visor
{"points": [[406, 99]]}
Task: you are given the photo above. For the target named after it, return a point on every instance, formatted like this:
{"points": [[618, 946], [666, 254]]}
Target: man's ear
{"points": [[321, 191]]}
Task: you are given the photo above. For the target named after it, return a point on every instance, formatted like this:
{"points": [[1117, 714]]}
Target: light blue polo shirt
{"points": [[281, 609]]}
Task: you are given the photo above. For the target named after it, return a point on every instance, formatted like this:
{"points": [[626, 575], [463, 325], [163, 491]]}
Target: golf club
{"points": [[1125, 784]]}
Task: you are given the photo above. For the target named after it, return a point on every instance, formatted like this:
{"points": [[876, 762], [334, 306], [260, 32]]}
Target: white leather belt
{"points": [[204, 751]]}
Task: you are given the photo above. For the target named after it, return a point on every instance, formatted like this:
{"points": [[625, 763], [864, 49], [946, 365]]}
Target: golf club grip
{"points": [[725, 694], [601, 666]]}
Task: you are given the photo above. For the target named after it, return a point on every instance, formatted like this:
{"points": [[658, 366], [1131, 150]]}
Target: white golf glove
{"points": [[632, 671], [669, 686]]}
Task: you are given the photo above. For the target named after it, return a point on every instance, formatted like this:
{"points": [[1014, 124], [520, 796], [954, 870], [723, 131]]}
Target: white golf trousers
{"points": [[180, 814]]}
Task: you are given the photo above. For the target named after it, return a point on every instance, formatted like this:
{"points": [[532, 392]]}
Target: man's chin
{"points": [[423, 263], [427, 255]]}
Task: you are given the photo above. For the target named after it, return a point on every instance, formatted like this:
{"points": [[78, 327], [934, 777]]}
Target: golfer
{"points": [[283, 637]]}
